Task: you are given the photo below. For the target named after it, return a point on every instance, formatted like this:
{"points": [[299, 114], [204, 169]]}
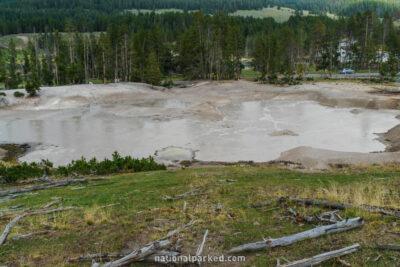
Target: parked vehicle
{"points": [[347, 71]]}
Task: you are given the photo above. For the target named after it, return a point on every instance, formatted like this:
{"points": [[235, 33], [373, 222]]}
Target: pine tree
{"points": [[153, 74], [14, 79], [3, 71]]}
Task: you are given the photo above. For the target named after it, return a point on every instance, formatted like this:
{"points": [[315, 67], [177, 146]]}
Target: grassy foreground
{"points": [[143, 216]]}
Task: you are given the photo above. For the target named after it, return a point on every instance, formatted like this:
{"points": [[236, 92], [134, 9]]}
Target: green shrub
{"points": [[117, 164], [2, 94], [20, 172], [18, 94]]}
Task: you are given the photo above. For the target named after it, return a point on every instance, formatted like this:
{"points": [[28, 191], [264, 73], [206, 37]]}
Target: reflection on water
{"points": [[243, 134]]}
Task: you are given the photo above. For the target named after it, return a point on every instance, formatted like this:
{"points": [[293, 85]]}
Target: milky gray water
{"points": [[246, 131]]}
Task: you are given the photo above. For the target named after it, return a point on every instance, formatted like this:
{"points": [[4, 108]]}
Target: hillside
{"points": [[125, 212], [345, 7]]}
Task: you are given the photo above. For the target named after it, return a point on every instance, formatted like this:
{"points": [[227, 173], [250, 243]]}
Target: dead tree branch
{"points": [[313, 233]]}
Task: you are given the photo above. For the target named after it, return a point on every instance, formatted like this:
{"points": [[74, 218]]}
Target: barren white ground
{"points": [[210, 121]]}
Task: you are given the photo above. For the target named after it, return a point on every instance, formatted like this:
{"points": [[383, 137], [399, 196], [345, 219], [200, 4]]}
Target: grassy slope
{"points": [[121, 228]]}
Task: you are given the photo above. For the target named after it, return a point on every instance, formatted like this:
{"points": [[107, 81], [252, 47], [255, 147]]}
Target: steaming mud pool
{"points": [[207, 121]]}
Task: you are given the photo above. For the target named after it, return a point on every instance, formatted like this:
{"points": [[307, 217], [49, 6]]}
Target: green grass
{"points": [[92, 229], [157, 11], [249, 74], [279, 15]]}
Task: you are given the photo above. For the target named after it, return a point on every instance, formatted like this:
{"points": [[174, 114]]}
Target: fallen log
{"points": [[200, 249], [36, 212], [98, 256], [341, 206], [389, 247], [194, 192], [30, 235], [48, 185], [323, 257], [139, 255], [145, 252], [51, 204], [288, 240], [7, 230]]}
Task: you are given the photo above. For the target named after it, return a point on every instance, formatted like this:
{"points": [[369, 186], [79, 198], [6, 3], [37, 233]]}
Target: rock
{"points": [[283, 133], [356, 111], [173, 155]]}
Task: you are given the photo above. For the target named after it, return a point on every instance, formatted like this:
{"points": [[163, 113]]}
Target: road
{"points": [[343, 76]]}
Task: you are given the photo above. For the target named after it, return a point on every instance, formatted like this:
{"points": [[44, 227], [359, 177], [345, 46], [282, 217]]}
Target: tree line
{"points": [[28, 16], [201, 46]]}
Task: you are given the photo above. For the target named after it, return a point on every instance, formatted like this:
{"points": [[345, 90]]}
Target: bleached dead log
{"points": [[48, 185], [342, 206], [7, 230], [323, 257], [194, 192], [313, 233], [30, 235], [148, 250], [98, 256], [36, 212], [51, 204], [389, 247], [139, 255], [200, 249]]}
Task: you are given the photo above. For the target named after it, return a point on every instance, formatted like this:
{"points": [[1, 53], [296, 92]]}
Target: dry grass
{"points": [[143, 216]]}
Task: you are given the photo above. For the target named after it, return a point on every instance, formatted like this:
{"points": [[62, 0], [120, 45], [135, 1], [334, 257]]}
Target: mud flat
{"points": [[207, 121]]}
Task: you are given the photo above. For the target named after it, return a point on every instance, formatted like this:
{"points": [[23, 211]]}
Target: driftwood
{"points": [[313, 233], [145, 252], [48, 185], [51, 204], [341, 206], [194, 192], [35, 212], [389, 247], [139, 255], [98, 256], [200, 249], [323, 257], [30, 235], [7, 230]]}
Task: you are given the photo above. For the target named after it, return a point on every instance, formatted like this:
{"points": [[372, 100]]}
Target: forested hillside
{"points": [[152, 47], [25, 16], [343, 7]]}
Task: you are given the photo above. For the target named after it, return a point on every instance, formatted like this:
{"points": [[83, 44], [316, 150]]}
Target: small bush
{"points": [[18, 94], [20, 172], [117, 164], [2, 94]]}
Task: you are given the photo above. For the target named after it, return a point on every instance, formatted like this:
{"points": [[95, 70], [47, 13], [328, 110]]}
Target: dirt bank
{"points": [[313, 158], [391, 139]]}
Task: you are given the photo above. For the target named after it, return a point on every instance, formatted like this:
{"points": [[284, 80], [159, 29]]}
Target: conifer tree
{"points": [[14, 79], [153, 74]]}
